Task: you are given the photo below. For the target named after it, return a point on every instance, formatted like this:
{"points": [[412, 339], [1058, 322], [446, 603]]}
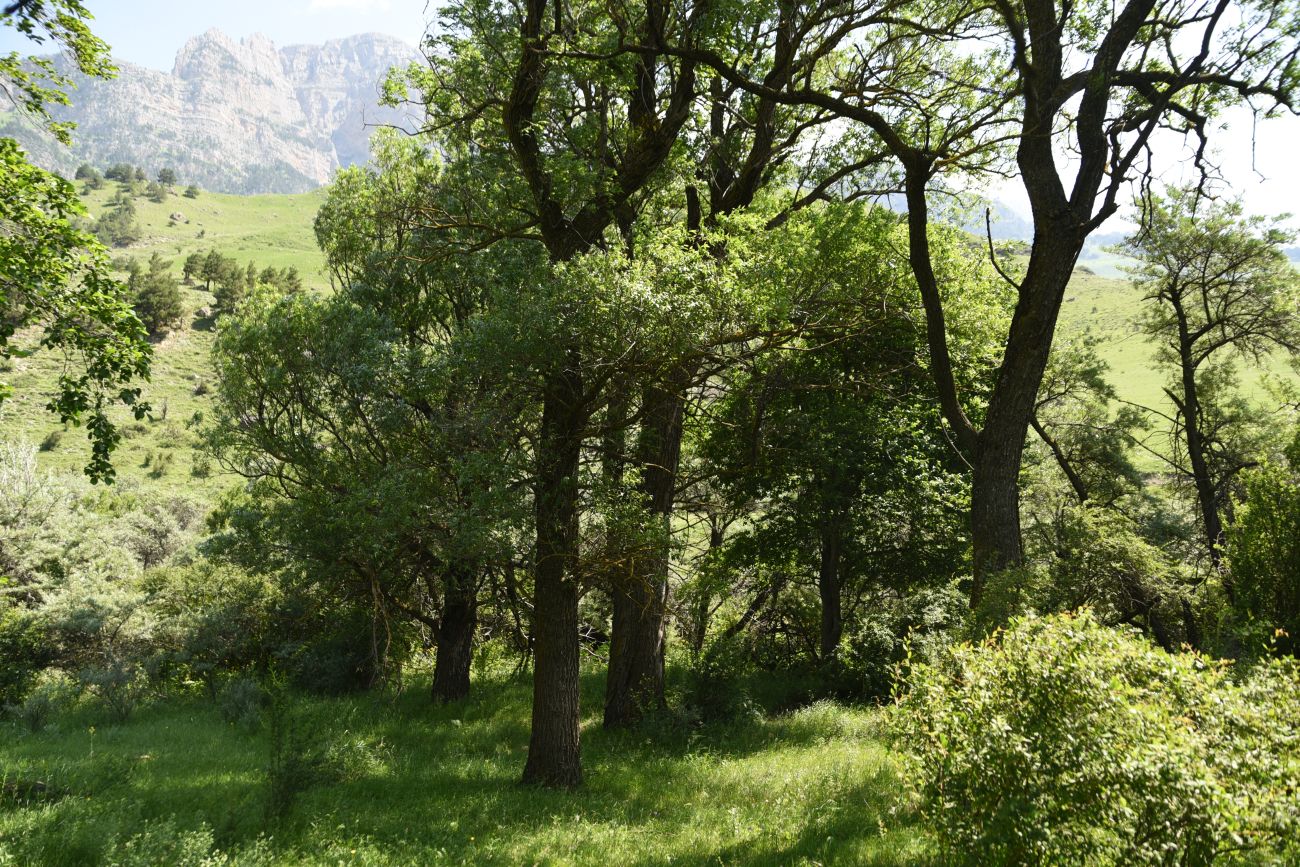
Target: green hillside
{"points": [[274, 230], [1108, 308]]}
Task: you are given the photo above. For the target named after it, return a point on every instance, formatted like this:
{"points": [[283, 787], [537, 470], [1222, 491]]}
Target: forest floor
{"points": [[398, 781]]}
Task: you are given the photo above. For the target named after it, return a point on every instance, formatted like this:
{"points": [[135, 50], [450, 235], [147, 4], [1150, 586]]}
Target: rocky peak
{"points": [[234, 116]]}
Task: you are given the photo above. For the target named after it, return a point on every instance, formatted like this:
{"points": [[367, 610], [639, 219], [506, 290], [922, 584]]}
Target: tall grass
{"points": [[395, 780]]}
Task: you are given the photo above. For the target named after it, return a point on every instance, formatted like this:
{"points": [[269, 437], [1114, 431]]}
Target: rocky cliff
{"points": [[240, 117]]}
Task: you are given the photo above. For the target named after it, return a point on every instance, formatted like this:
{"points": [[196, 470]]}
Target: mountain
{"points": [[236, 117]]}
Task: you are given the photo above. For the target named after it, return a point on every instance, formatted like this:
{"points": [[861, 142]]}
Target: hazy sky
{"points": [[149, 32]]}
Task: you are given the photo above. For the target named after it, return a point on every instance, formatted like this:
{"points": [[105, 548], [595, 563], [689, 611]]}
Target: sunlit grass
{"points": [[815, 786]]}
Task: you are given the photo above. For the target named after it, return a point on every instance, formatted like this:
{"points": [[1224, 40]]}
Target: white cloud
{"points": [[357, 5]]}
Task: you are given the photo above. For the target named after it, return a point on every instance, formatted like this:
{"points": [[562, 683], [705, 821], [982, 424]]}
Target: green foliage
{"points": [[56, 277], [24, 652], [167, 177], [119, 226], [158, 300], [1062, 740], [34, 84], [191, 192], [1264, 559], [1086, 555], [242, 702]]}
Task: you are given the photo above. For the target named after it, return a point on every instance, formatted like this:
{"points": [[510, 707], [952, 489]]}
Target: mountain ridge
{"points": [[235, 116]]}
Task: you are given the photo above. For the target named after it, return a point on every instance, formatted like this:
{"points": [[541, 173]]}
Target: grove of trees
{"points": [[662, 344]]}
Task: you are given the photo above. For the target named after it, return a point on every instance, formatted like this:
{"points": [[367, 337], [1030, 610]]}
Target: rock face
{"points": [[238, 117]]}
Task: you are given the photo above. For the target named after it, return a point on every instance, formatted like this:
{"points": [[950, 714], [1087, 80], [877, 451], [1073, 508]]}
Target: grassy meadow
{"points": [[404, 782], [157, 453]]}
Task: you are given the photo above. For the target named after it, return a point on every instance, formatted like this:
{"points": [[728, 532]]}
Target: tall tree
{"points": [[1074, 93], [529, 87], [1217, 286]]}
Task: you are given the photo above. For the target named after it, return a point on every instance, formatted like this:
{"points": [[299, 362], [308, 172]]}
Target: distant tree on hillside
{"points": [[191, 192], [211, 271], [193, 267], [250, 275], [157, 299], [138, 174], [118, 227], [156, 192], [121, 172], [231, 288], [88, 173], [167, 177], [291, 280]]}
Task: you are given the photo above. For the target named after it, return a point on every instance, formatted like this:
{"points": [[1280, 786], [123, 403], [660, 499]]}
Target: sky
{"points": [[1263, 167]]}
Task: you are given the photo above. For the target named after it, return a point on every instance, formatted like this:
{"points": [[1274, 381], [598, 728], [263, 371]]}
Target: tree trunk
{"points": [[456, 636], [828, 584], [1206, 496], [636, 652], [554, 755], [995, 488]]}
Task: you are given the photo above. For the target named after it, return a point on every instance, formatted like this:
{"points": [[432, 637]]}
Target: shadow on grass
{"points": [[441, 785]]}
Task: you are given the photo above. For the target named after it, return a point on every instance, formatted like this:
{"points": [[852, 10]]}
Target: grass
{"points": [[1108, 308], [439, 785], [273, 230]]}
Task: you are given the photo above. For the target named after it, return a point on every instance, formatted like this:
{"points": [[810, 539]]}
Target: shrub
{"points": [[1264, 553], [1062, 740], [715, 689], [118, 684], [52, 440], [241, 703], [51, 696], [24, 652]]}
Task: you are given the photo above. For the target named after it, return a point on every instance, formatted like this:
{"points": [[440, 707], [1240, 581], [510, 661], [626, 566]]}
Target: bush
{"points": [[1062, 740], [118, 684], [52, 440], [241, 703], [1264, 553], [24, 652], [715, 689], [51, 696]]}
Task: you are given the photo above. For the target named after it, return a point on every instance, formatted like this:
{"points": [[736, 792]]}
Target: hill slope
{"points": [[159, 453]]}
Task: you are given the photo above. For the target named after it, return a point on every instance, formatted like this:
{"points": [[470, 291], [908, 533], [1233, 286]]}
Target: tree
{"points": [[167, 177], [121, 172], [290, 280], [156, 192], [212, 269], [830, 447], [158, 300], [193, 267], [118, 225], [948, 90], [231, 286], [53, 276], [509, 86], [191, 192], [1263, 547], [1217, 286]]}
